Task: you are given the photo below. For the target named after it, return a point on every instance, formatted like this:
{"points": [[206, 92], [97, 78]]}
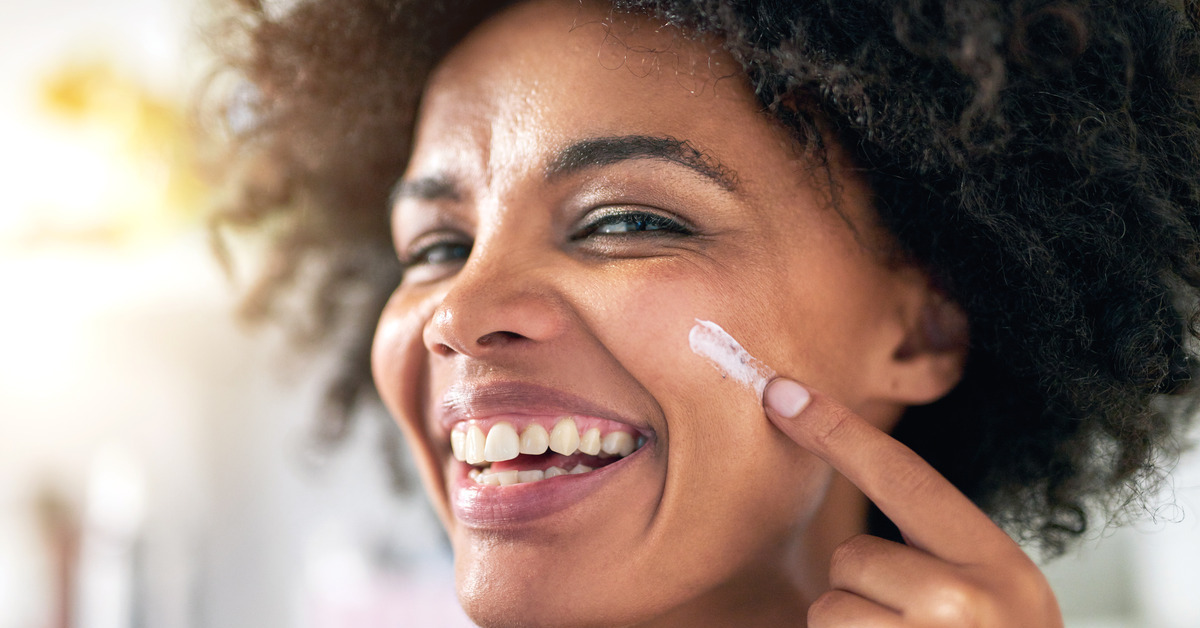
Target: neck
{"points": [[843, 514]]}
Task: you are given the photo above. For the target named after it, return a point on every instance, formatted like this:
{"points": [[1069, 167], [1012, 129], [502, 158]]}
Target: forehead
{"points": [[542, 74]]}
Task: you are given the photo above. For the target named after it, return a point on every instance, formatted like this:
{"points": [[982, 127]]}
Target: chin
{"points": [[494, 597]]}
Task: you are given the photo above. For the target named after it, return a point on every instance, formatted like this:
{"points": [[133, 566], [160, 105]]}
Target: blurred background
{"points": [[156, 466]]}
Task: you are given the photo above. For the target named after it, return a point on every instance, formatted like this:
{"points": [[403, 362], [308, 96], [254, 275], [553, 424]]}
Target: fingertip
{"points": [[786, 398]]}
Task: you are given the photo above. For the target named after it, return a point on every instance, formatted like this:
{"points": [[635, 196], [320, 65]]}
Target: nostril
{"points": [[497, 337]]}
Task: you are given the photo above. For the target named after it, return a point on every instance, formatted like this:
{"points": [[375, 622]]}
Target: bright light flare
{"points": [[101, 159]]}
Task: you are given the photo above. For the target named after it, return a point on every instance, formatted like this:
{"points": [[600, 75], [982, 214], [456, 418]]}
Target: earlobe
{"points": [[930, 359]]}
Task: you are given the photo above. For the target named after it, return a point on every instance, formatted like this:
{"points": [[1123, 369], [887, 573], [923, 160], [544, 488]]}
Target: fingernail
{"points": [[786, 398]]}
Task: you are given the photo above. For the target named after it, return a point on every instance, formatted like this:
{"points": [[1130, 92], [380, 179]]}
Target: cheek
{"points": [[387, 358], [643, 317], [820, 318], [726, 464], [396, 352], [397, 367]]}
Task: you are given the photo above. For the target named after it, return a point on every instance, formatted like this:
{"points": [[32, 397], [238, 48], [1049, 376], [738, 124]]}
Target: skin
{"points": [[729, 515]]}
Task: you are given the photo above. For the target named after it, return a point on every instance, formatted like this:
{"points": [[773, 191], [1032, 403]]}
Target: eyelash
{"points": [[454, 248], [646, 223], [426, 255]]}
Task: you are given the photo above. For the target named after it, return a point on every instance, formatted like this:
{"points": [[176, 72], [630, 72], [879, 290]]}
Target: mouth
{"points": [[519, 452], [524, 450]]}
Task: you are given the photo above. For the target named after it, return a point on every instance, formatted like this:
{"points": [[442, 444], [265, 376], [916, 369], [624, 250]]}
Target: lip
{"points": [[510, 507], [507, 507], [465, 401]]}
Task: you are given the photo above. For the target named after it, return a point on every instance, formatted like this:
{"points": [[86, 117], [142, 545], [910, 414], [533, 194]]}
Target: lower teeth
{"points": [[510, 477]]}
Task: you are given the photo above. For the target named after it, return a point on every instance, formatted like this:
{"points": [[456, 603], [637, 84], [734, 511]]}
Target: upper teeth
{"points": [[501, 442], [474, 453], [534, 440], [564, 438], [619, 443]]}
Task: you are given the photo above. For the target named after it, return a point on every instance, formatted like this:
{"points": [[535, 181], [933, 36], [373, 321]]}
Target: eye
{"points": [[624, 221], [437, 250]]}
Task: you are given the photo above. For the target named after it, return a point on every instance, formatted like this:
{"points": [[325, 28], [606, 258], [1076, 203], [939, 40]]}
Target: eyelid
{"points": [[420, 245], [595, 216], [414, 220]]}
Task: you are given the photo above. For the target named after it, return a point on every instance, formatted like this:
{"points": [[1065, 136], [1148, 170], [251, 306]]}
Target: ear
{"points": [[929, 359]]}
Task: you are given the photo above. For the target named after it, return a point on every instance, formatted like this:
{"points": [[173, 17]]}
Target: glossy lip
{"points": [[509, 507], [500, 507]]}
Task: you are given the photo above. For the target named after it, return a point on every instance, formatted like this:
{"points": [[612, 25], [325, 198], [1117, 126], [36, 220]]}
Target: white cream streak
{"points": [[709, 341]]}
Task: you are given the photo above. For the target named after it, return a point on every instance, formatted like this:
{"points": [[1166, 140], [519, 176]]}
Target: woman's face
{"points": [[582, 189]]}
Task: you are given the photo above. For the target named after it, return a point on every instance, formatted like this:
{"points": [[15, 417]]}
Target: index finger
{"points": [[931, 512]]}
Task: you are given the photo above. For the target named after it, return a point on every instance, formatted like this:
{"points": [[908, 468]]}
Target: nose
{"points": [[497, 303]]}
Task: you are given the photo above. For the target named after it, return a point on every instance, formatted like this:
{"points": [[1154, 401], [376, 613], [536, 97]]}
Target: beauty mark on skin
{"points": [[709, 341]]}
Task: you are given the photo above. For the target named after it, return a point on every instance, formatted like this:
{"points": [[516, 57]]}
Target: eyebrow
{"points": [[425, 189], [603, 151], [590, 153]]}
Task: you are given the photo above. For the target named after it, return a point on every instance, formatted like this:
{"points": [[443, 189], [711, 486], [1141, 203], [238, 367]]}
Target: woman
{"points": [[971, 226]]}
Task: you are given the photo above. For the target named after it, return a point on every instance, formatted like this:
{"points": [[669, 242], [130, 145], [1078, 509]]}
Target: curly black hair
{"points": [[1038, 158]]}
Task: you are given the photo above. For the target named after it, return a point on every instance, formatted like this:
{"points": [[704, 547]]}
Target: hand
{"points": [[958, 569]]}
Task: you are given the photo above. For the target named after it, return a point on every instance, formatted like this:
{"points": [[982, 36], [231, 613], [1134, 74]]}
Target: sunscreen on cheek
{"points": [[709, 341]]}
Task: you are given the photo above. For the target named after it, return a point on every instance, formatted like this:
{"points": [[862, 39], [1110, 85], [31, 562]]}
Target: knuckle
{"points": [[823, 608], [1025, 584], [953, 603], [1028, 585], [1030, 578], [914, 478], [832, 430], [851, 553]]}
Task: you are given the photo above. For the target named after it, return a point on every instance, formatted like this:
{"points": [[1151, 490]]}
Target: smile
{"points": [[522, 450], [519, 452]]}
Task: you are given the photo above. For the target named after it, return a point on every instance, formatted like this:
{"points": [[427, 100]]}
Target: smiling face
{"points": [[570, 209]]}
